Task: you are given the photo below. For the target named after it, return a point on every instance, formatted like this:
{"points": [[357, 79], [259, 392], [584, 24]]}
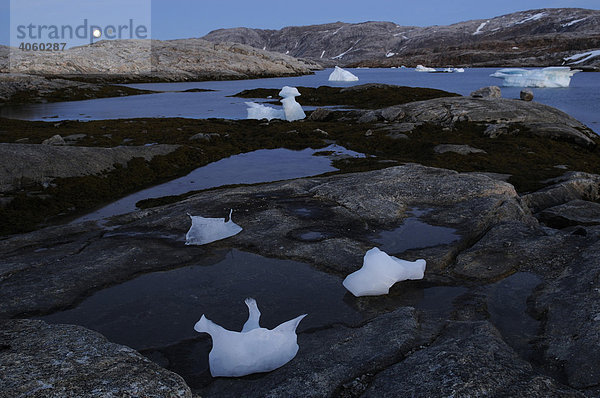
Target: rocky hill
{"points": [[540, 37], [143, 60]]}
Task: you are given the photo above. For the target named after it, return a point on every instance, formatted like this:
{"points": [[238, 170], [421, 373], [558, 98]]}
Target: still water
{"points": [[581, 100]]}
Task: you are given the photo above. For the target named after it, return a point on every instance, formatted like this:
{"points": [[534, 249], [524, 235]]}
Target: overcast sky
{"points": [[194, 18]]}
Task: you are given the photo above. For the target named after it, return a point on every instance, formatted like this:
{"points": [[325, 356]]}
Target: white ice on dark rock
{"points": [[582, 57], [292, 109], [207, 230], [254, 349], [342, 75], [259, 111], [421, 68], [381, 271], [554, 76]]}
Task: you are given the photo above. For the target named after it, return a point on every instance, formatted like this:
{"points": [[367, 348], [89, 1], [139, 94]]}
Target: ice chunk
{"points": [[342, 75], [421, 68], [454, 70], [291, 109], [380, 272], [554, 76], [254, 349], [288, 91], [207, 230], [259, 111]]}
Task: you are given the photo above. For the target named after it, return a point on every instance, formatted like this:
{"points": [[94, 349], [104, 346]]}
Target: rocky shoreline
{"points": [[535, 218]]}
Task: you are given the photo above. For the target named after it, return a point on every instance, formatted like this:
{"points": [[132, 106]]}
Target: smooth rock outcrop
{"points": [[468, 359], [41, 360], [575, 212], [39, 164], [541, 120]]}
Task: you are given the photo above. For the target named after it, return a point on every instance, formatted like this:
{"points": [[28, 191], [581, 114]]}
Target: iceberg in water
{"points": [[421, 68], [254, 349], [454, 70], [207, 230], [555, 76], [342, 75], [380, 272], [291, 111]]}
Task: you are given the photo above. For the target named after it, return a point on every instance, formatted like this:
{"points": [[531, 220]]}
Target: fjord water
{"points": [[581, 100]]}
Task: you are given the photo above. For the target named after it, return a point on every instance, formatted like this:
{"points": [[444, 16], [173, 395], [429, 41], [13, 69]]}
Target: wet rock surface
{"points": [[41, 360], [445, 343]]}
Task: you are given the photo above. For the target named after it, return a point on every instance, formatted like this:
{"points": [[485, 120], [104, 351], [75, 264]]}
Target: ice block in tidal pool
{"points": [[254, 349], [380, 272], [259, 111], [207, 230]]}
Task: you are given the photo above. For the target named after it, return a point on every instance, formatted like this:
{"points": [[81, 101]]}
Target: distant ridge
{"points": [[540, 37]]}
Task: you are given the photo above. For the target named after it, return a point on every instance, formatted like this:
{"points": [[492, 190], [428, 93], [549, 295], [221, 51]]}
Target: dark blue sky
{"points": [[194, 18]]}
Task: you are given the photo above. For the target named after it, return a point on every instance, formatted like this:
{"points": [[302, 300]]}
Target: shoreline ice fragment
{"points": [[381, 271], [207, 230], [254, 349], [421, 68], [454, 70], [554, 76], [291, 109], [342, 75], [259, 111]]}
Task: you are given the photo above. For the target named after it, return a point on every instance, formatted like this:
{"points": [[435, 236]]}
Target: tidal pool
{"points": [[264, 165]]}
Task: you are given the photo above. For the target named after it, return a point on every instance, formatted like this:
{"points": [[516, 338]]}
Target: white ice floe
{"points": [[342, 75], [555, 76], [421, 68], [582, 57], [291, 111], [207, 230], [254, 349], [380, 272]]}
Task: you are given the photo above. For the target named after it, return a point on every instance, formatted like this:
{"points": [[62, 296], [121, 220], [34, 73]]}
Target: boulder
{"points": [[489, 92], [320, 115], [526, 95], [54, 140]]}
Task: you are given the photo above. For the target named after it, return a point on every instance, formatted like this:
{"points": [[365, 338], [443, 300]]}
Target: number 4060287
{"points": [[42, 46]]}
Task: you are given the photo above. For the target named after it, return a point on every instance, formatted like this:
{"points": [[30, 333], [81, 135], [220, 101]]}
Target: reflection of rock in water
{"points": [[507, 305]]}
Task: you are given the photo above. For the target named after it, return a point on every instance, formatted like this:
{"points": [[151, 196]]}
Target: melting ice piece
{"points": [[380, 272], [254, 349], [421, 68], [342, 75], [207, 230], [554, 76], [454, 70], [259, 111], [292, 109]]}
